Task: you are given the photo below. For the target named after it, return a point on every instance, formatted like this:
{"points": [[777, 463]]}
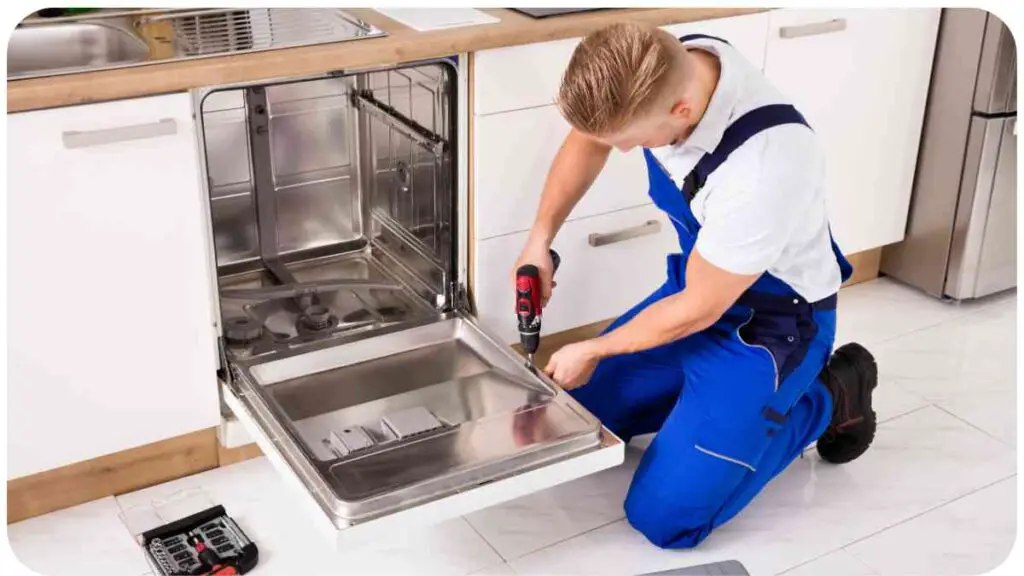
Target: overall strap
{"points": [[689, 37], [741, 130]]}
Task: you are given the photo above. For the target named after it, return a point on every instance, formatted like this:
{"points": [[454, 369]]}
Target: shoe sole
{"points": [[867, 373]]}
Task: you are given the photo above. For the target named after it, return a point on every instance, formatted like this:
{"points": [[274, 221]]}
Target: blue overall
{"points": [[732, 405]]}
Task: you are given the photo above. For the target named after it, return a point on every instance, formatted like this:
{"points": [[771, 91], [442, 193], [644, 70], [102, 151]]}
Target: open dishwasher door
{"points": [[414, 426], [349, 352]]}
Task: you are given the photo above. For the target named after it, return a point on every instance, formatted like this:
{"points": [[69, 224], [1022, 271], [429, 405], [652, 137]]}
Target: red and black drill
{"points": [[528, 305]]}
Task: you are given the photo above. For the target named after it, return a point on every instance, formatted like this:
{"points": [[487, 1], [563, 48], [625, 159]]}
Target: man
{"points": [[729, 360]]}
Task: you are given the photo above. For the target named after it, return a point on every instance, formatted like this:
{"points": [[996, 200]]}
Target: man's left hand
{"points": [[571, 366]]}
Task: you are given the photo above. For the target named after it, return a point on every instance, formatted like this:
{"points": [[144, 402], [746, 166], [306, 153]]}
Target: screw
{"points": [[261, 130]]}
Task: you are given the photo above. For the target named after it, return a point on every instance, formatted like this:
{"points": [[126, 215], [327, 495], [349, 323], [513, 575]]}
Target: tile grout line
{"points": [[902, 389], [845, 547], [826, 554], [905, 414], [956, 316], [486, 541], [985, 432], [883, 422], [912, 331], [568, 538], [928, 511], [936, 507]]}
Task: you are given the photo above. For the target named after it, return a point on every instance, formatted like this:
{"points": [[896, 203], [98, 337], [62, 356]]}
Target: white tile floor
{"points": [[944, 459]]}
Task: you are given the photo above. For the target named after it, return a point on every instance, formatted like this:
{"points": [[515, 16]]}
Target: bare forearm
{"points": [[576, 166], [664, 321]]}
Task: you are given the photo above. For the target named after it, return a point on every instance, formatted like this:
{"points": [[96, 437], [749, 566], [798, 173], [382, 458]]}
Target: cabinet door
{"points": [[861, 79], [609, 263], [513, 153], [112, 343]]}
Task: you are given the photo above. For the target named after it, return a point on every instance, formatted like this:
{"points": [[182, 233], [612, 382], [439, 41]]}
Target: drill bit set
{"points": [[206, 543]]}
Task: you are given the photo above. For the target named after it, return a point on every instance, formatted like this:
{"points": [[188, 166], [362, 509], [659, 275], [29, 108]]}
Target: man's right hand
{"points": [[538, 254]]}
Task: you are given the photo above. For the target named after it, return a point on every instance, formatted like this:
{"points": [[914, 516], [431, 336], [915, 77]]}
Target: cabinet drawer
{"points": [[519, 77], [512, 156], [525, 76], [600, 277]]}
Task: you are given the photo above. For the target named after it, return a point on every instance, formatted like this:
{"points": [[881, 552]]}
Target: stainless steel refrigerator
{"points": [[961, 240]]}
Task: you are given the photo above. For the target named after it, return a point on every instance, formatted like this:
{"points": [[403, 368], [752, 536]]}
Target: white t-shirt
{"points": [[763, 209]]}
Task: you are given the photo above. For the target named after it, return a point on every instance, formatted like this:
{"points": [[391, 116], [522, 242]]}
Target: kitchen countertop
{"points": [[402, 44]]}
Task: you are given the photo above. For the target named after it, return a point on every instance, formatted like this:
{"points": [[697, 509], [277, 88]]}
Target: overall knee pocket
{"points": [[679, 491]]}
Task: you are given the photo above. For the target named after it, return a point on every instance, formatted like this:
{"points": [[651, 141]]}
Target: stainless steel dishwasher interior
{"points": [[334, 219], [336, 178]]}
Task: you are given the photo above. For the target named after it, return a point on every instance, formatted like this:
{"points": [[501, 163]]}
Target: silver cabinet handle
{"points": [[813, 29], [103, 136], [645, 229]]}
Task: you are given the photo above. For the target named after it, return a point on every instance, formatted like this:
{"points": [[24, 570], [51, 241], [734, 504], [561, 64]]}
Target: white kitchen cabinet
{"points": [[861, 79], [610, 262], [513, 153], [519, 77], [747, 33], [111, 336]]}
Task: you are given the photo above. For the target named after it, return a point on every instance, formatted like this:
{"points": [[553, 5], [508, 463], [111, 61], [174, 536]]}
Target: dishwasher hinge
{"points": [[458, 298], [224, 370]]}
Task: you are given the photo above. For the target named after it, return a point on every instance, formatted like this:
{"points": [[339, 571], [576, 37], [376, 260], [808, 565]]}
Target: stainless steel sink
{"points": [[73, 46], [49, 47]]}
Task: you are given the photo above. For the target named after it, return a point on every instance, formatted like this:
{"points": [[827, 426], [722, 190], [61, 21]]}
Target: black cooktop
{"points": [[545, 12]]}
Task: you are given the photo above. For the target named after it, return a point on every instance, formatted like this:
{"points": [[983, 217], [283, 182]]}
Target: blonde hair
{"points": [[616, 74]]}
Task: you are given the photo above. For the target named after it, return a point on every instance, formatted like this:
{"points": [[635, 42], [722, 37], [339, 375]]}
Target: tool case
{"points": [[173, 532]]}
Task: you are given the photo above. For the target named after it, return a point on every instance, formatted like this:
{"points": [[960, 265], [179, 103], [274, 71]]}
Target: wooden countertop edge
{"points": [[402, 44]]}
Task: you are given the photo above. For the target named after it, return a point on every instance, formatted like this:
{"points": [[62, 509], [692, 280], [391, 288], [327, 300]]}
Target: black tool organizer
{"points": [[169, 550]]}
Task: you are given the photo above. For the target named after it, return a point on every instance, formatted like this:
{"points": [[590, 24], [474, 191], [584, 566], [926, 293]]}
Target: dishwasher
{"points": [[348, 346]]}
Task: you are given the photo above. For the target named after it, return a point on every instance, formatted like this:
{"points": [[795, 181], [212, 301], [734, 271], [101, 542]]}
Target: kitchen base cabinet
{"points": [[112, 343], [861, 79], [859, 76]]}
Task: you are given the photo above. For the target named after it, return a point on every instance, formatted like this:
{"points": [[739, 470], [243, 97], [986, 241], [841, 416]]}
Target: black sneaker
{"points": [[851, 376]]}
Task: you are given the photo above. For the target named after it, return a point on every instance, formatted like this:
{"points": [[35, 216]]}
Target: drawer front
{"points": [[526, 76], [609, 263], [520, 77], [513, 153]]}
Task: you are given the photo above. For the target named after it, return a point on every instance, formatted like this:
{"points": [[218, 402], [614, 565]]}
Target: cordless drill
{"points": [[528, 305]]}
